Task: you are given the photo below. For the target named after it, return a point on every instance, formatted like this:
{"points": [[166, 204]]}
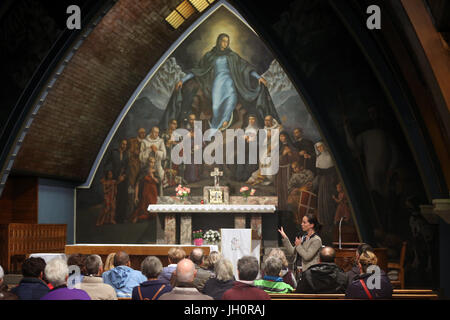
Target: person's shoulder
{"points": [[105, 273]]}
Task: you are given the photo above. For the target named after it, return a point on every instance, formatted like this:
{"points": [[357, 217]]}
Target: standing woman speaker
{"points": [[306, 248]]}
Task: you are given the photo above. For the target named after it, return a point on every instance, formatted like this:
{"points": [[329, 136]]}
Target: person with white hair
{"points": [[185, 289], [215, 287], [4, 294], [57, 272], [93, 282], [271, 281]]}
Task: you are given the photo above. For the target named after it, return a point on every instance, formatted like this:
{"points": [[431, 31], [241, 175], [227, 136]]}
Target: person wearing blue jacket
{"points": [[32, 287], [122, 277]]}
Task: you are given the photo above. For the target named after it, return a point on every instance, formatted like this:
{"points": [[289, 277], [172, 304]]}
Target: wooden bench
{"points": [[21, 239], [398, 294]]}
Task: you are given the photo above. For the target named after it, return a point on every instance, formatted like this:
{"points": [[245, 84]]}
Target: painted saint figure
{"points": [[109, 195], [146, 191], [343, 210], [226, 79], [324, 184]]}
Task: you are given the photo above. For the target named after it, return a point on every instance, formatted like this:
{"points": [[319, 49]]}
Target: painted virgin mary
{"points": [[224, 79]]}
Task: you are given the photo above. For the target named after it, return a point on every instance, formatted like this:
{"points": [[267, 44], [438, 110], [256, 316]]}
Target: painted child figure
{"points": [[343, 210]]}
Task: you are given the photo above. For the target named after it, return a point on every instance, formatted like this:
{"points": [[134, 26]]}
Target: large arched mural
{"points": [[222, 76]]}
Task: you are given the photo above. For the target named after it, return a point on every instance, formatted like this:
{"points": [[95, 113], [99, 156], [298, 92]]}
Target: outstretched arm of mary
{"points": [[180, 103]]}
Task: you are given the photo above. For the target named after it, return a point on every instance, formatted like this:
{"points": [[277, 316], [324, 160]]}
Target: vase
{"points": [[245, 199], [183, 200], [198, 242]]}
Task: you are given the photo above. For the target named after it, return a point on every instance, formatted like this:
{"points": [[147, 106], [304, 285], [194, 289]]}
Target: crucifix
{"points": [[216, 174]]}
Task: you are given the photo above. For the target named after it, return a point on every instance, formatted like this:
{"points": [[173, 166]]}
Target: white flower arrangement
{"points": [[212, 236]]}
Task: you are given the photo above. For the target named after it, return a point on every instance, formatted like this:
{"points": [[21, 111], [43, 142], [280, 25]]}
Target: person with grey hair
{"points": [[272, 282], [4, 293], [286, 273], [93, 282], [215, 287], [57, 272], [244, 288], [153, 288], [185, 289], [198, 257]]}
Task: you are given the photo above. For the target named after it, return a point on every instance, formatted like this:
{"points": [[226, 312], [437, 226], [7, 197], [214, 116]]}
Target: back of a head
{"points": [[327, 254], [197, 256], [176, 255], [367, 259], [185, 271], [224, 270], [151, 267], [109, 263], [121, 259], [272, 266], [77, 259], [363, 247], [32, 267], [248, 268], [56, 272], [93, 264], [212, 259], [277, 252]]}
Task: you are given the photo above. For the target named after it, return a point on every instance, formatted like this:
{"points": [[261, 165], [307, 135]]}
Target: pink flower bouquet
{"points": [[182, 192], [245, 191]]}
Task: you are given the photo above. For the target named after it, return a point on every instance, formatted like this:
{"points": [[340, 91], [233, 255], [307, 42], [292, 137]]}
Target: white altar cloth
{"points": [[231, 208]]}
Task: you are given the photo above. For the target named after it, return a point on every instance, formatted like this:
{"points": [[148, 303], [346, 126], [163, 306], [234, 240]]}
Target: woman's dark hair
{"points": [[313, 220], [32, 267], [216, 48], [363, 247], [77, 259]]}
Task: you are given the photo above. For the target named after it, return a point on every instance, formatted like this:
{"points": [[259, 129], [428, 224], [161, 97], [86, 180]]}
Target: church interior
{"points": [[357, 91]]}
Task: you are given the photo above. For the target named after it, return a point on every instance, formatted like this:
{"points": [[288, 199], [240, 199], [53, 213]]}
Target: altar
{"points": [[168, 208]]}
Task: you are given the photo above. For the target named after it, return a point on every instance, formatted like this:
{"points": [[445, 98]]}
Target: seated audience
{"points": [[363, 247], [185, 289], [175, 255], [223, 280], [57, 272], [359, 288], [153, 288], [271, 281], [244, 289], [4, 293], [324, 277], [211, 260], [122, 278], [109, 263], [202, 275], [286, 274], [32, 287], [93, 282]]}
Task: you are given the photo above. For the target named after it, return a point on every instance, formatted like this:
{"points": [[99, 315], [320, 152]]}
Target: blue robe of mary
{"points": [[226, 79]]}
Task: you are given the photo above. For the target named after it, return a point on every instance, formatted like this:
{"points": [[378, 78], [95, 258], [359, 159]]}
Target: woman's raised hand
{"points": [[281, 231]]}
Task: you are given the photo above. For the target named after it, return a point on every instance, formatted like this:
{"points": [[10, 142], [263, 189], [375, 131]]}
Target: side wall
{"points": [[56, 204]]}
